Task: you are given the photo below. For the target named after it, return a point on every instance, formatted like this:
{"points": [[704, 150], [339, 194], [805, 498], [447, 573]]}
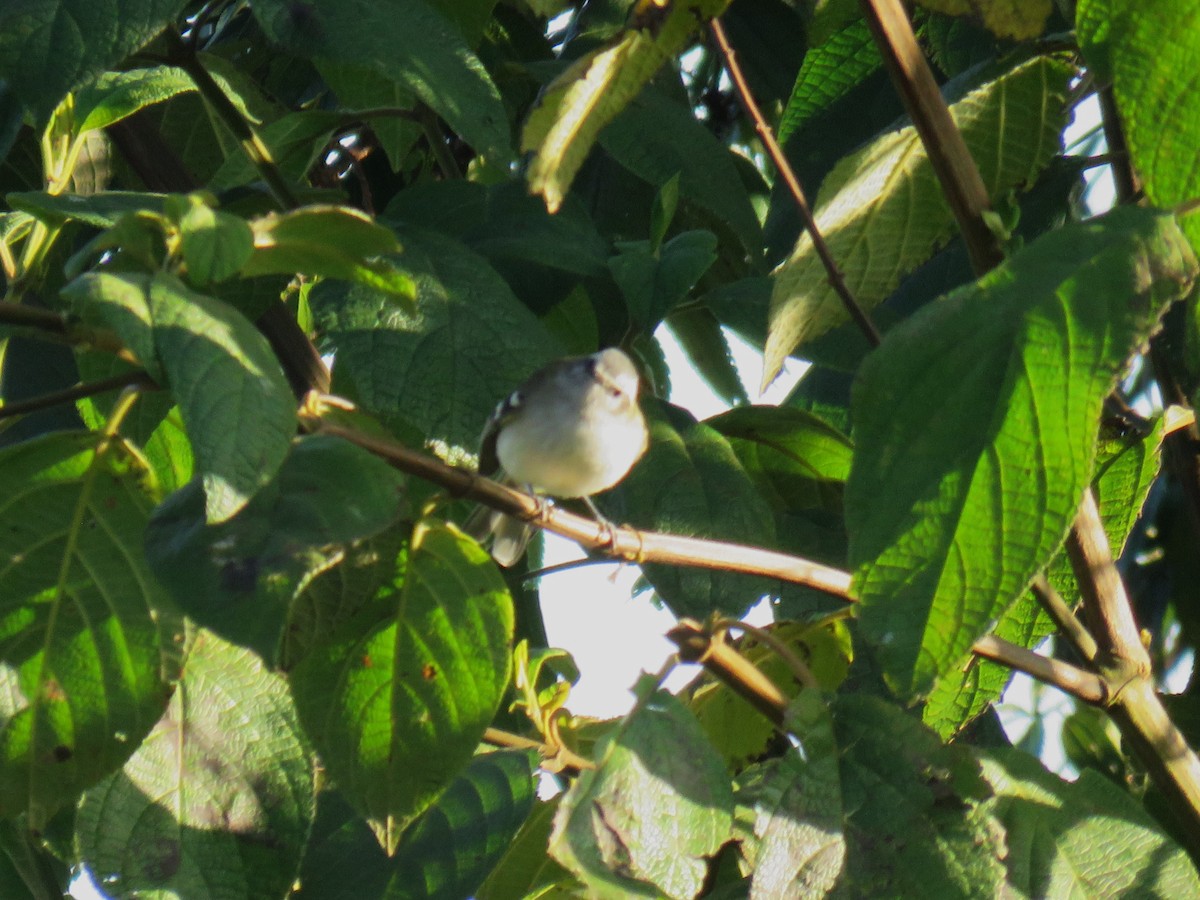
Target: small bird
{"points": [[572, 429]]}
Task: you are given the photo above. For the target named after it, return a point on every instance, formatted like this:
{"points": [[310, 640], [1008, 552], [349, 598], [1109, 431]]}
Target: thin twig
{"points": [[562, 759], [836, 279], [49, 325], [1075, 632], [77, 392], [961, 182], [1070, 679]]}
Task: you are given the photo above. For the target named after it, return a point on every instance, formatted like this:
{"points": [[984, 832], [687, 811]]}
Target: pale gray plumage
{"points": [[572, 429]]}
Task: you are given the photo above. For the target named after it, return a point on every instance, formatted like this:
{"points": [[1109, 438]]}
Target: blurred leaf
{"points": [[294, 139], [239, 577], [790, 810], [335, 241], [445, 854], [659, 802], [235, 401], [411, 682], [655, 281], [1083, 839], [1016, 19], [197, 812], [439, 368], [87, 639], [1011, 126], [659, 139], [702, 339], [690, 482], [44, 53], [504, 224], [575, 107], [950, 516], [409, 42], [526, 870]]}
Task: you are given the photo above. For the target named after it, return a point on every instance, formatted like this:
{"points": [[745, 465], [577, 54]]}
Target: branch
{"points": [[1070, 679], [696, 645], [53, 326], [621, 543], [77, 392], [1068, 623], [836, 279], [1104, 598], [956, 170]]}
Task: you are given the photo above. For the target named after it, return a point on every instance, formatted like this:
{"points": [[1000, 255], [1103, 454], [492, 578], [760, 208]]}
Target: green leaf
{"points": [[335, 241], [240, 577], [950, 515], [236, 404], [440, 367], [691, 482], [1086, 839], [409, 42], [445, 854], [828, 73], [916, 820], [215, 245], [658, 803], [1142, 57], [1012, 127], [655, 281], [660, 140], [790, 810], [117, 95], [1019, 20], [586, 97], [100, 210], [49, 47], [504, 224], [526, 870], [703, 340], [87, 638], [410, 684], [218, 800]]}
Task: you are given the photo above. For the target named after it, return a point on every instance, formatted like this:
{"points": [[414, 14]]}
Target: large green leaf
{"points": [[882, 212], [1126, 466], [87, 638], [240, 577], [236, 403], [49, 47], [953, 508], [398, 700], [408, 41], [691, 482], [441, 367], [1145, 58], [117, 95], [575, 107], [1087, 839], [658, 803], [526, 870], [217, 802], [1016, 19]]}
